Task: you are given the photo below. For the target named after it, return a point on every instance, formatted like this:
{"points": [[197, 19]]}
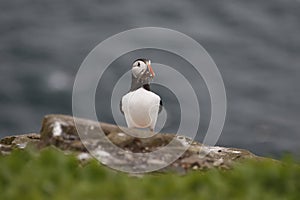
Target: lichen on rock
{"points": [[8, 143], [128, 151]]}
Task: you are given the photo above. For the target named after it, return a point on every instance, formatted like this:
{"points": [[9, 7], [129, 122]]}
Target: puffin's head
{"points": [[142, 70]]}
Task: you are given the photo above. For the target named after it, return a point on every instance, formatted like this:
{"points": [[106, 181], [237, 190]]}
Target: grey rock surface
{"points": [[118, 149]]}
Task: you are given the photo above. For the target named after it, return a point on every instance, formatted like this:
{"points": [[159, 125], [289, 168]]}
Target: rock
{"points": [[18, 141], [128, 153], [60, 131]]}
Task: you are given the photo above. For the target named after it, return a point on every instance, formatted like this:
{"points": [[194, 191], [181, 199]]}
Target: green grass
{"points": [[50, 174]]}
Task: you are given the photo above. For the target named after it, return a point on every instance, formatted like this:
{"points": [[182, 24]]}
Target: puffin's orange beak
{"points": [[150, 69]]}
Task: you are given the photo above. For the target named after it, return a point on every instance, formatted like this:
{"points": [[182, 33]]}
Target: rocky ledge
{"points": [[119, 150]]}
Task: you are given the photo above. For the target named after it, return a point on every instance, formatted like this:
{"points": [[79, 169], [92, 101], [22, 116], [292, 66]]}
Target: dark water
{"points": [[255, 44]]}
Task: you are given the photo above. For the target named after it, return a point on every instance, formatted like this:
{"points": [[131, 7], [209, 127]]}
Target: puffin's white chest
{"points": [[140, 108]]}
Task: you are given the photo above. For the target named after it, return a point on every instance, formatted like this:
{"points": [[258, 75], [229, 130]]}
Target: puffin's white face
{"points": [[142, 69], [139, 68]]}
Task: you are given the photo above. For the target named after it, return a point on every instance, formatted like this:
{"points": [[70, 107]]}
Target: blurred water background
{"points": [[255, 44]]}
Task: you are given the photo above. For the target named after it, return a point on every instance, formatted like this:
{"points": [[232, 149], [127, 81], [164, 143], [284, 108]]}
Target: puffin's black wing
{"points": [[121, 107], [160, 106]]}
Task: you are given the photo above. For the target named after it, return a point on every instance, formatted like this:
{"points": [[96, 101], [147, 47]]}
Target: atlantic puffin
{"points": [[140, 105]]}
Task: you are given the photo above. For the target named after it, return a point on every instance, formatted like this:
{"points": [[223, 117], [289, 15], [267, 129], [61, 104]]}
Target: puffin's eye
{"points": [[138, 64]]}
